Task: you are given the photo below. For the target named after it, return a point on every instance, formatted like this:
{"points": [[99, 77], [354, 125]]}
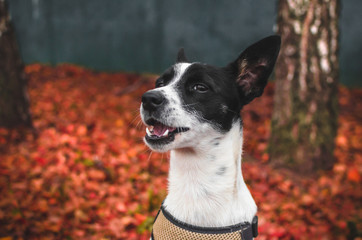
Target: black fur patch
{"points": [[166, 77], [222, 91]]}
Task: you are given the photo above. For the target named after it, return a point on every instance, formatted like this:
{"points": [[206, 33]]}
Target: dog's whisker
{"points": [[135, 118], [188, 105], [139, 124], [149, 156], [138, 117], [202, 118], [227, 109]]}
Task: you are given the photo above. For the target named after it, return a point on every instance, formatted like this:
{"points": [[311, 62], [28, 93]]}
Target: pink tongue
{"points": [[160, 129]]}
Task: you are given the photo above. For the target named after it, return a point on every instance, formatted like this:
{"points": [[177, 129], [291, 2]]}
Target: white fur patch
{"points": [[198, 193]]}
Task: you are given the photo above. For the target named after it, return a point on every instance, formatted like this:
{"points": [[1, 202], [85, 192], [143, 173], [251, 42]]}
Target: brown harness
{"points": [[166, 227]]}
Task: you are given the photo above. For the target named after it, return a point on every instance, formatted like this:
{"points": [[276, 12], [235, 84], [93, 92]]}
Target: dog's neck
{"points": [[206, 186]]}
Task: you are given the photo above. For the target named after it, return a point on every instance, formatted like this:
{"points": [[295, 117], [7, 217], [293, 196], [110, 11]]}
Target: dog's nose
{"points": [[151, 100]]}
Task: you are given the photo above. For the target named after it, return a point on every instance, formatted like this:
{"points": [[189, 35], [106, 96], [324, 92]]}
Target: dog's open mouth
{"points": [[161, 133]]}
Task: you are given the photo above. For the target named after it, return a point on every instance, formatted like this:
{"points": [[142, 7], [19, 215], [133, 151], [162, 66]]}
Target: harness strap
{"points": [[166, 227]]}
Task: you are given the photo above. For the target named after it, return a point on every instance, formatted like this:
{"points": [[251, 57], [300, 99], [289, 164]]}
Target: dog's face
{"points": [[193, 101]]}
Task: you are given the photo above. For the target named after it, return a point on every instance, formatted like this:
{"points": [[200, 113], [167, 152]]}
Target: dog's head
{"points": [[192, 101]]}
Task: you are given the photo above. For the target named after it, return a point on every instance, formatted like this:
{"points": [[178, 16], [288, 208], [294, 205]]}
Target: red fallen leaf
{"points": [[70, 128], [116, 226], [266, 207], [68, 139], [79, 233], [307, 199], [120, 123], [285, 186], [42, 205], [132, 152], [40, 160], [324, 181], [92, 195], [133, 206], [339, 168], [96, 174], [139, 218], [121, 207], [81, 130], [124, 159], [277, 232], [114, 149], [134, 236], [341, 141], [19, 186], [353, 175], [342, 224], [52, 201], [265, 157]]}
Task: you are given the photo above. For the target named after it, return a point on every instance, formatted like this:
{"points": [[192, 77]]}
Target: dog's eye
{"points": [[201, 88]]}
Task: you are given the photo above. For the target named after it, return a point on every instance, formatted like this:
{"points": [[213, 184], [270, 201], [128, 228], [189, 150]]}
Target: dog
{"points": [[194, 112]]}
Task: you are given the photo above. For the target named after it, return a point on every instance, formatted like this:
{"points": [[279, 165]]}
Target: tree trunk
{"points": [[304, 121], [14, 103]]}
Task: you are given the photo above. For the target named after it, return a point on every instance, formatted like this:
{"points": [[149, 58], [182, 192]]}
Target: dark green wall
{"points": [[144, 35]]}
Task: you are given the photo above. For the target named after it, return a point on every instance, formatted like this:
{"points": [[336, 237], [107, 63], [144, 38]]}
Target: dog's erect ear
{"points": [[253, 67], [181, 57]]}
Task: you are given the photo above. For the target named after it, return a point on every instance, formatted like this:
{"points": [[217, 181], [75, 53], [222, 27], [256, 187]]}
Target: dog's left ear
{"points": [[253, 67], [181, 57]]}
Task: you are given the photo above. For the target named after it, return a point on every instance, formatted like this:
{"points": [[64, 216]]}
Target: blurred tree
{"points": [[304, 121], [14, 103]]}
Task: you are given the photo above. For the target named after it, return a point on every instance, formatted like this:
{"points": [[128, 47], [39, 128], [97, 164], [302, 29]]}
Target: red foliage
{"points": [[88, 174]]}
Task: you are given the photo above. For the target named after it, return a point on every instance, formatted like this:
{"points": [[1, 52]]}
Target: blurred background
{"points": [[73, 164], [144, 36]]}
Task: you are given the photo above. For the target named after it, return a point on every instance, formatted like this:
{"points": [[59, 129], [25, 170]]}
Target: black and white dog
{"points": [[194, 112]]}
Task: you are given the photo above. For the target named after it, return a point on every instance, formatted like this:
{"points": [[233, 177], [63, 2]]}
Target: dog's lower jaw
{"points": [[206, 186]]}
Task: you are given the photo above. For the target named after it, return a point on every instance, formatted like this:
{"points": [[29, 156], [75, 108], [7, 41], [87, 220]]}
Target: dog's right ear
{"points": [[181, 57], [252, 68]]}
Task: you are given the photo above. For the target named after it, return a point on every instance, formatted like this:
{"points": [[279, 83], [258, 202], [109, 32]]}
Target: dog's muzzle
{"points": [[159, 131]]}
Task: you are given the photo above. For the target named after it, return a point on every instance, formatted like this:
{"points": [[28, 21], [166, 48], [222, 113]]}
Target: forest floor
{"points": [[86, 174]]}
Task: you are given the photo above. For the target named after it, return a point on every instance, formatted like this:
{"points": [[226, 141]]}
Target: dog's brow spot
{"points": [[221, 171], [207, 193], [224, 108], [215, 141]]}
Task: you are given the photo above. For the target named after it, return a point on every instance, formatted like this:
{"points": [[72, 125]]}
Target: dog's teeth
{"points": [[148, 132], [151, 128], [165, 133]]}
